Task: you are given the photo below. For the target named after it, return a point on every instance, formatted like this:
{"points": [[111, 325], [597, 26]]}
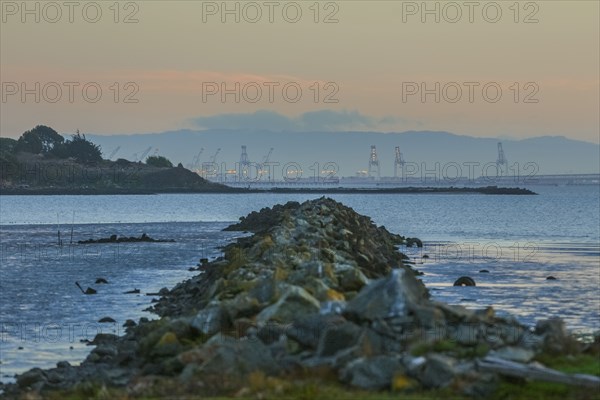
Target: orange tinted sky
{"points": [[371, 57]]}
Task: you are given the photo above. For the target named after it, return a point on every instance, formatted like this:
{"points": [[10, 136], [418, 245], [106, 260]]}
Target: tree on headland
{"points": [[79, 148], [29, 142], [40, 140], [8, 162], [159, 161], [46, 141], [49, 137], [7, 145]]}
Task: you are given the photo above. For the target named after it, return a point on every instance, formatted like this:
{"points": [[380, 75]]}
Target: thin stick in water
{"points": [[72, 223], [58, 229]]}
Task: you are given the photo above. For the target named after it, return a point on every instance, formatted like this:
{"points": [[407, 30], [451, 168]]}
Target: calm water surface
{"points": [[520, 240]]}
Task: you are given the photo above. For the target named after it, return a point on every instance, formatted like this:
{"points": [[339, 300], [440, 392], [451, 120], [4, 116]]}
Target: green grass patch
{"points": [[518, 389], [542, 391], [313, 390], [581, 364]]}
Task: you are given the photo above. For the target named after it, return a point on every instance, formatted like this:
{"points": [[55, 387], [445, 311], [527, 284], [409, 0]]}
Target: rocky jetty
{"points": [[317, 290]]}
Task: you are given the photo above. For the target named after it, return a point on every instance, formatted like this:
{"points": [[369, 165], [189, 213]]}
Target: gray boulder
{"points": [[30, 378], [307, 330], [238, 357], [209, 320], [556, 339], [339, 337], [295, 301], [393, 296], [104, 351], [512, 353], [352, 279], [439, 371], [374, 373]]}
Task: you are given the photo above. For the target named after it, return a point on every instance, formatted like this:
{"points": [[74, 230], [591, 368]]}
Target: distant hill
{"points": [[350, 150]]}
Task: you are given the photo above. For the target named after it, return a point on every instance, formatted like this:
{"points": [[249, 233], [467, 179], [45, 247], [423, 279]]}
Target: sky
{"points": [[487, 69]]}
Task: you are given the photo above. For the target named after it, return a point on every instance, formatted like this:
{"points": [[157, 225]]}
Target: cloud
{"points": [[323, 120]]}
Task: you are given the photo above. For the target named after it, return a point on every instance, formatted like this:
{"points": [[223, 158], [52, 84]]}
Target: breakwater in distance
{"points": [[489, 190]]}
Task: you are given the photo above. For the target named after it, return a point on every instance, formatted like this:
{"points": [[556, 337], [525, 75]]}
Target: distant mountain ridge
{"points": [[425, 150]]}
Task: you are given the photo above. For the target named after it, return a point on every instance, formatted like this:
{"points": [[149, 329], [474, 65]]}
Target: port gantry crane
{"points": [[211, 166], [244, 167], [261, 167], [196, 161], [144, 154], [374, 163], [398, 161], [114, 152], [213, 159], [501, 162]]}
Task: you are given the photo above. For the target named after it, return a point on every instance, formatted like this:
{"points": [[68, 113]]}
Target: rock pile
{"points": [[125, 239], [318, 287], [320, 251]]}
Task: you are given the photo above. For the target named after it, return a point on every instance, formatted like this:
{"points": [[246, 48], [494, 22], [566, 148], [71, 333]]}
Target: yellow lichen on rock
{"points": [[401, 382], [334, 295], [167, 338], [280, 274], [236, 257]]}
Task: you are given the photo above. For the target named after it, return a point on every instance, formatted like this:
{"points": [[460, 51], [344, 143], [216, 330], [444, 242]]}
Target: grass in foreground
{"points": [[310, 388]]}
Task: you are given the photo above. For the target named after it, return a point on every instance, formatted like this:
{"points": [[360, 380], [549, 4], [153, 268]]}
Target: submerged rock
{"points": [[124, 239], [410, 242], [464, 281]]}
